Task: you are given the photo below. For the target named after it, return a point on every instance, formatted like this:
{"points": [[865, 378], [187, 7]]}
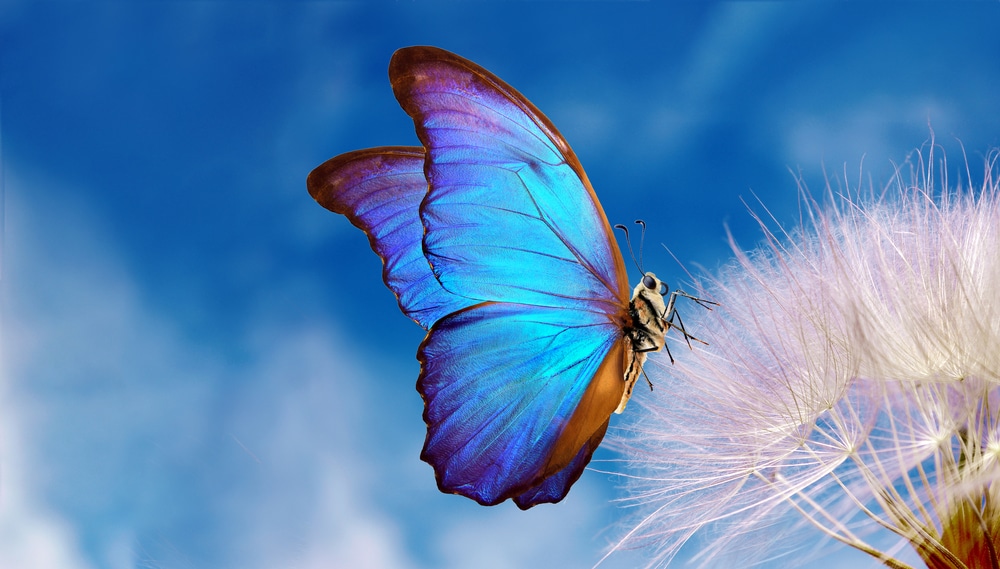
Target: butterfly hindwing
{"points": [[380, 190], [509, 399]]}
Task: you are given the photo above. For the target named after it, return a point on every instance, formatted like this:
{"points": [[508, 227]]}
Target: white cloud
{"points": [[545, 536], [31, 535], [113, 432], [302, 424]]}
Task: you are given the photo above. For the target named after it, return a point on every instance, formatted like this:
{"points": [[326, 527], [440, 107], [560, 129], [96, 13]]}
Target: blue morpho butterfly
{"points": [[493, 240]]}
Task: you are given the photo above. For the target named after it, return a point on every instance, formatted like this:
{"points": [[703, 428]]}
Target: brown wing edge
{"points": [[591, 416], [327, 180]]}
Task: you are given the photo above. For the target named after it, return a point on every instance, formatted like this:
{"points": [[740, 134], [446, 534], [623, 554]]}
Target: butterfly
{"points": [[493, 241]]}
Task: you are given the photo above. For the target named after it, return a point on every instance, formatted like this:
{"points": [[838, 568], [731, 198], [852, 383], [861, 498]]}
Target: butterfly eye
{"points": [[664, 289], [649, 282]]}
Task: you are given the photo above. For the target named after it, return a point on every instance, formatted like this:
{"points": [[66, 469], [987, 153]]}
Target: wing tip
{"points": [[405, 57], [327, 181]]}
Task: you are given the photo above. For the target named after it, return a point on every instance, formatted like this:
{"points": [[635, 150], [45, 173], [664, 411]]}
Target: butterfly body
{"points": [[494, 241], [646, 331]]}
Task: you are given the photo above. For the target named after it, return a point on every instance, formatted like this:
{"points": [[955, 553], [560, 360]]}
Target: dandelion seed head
{"points": [[851, 382]]}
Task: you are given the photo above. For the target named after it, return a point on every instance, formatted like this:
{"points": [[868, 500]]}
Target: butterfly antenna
{"points": [[628, 241], [642, 241]]}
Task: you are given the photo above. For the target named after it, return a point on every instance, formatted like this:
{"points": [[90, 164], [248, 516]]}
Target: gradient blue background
{"points": [[201, 366]]}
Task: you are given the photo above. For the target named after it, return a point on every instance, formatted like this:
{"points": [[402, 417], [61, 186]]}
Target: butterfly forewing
{"points": [[509, 215]]}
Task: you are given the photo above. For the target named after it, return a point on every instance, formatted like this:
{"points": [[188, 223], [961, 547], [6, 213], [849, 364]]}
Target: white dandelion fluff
{"points": [[851, 386]]}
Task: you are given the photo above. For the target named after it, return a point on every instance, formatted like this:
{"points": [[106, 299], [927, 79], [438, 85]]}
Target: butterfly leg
{"points": [[654, 349], [680, 326], [646, 376], [701, 301], [671, 312]]}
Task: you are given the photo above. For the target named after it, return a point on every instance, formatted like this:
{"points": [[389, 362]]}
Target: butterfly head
{"points": [[648, 295], [650, 282]]}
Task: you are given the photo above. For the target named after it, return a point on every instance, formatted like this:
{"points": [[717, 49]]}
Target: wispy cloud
{"points": [[31, 533], [128, 441]]}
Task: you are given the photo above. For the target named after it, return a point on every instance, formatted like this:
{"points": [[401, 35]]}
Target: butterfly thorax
{"points": [[645, 332]]}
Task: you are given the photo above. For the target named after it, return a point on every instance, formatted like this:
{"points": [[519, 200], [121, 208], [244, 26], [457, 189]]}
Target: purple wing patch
{"points": [[380, 190]]}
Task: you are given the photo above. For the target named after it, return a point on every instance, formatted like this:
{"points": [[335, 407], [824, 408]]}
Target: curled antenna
{"points": [[642, 241], [628, 241]]}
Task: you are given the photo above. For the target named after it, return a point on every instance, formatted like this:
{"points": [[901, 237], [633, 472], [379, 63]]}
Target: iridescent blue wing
{"points": [[508, 197], [380, 190], [516, 399], [518, 389]]}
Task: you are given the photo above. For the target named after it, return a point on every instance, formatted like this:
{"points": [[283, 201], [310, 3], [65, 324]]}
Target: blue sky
{"points": [[201, 367]]}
